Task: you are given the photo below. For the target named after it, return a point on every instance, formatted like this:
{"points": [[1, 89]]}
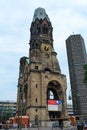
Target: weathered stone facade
{"points": [[40, 74]]}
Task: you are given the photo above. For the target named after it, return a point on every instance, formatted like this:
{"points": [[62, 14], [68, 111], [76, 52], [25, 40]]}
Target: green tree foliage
{"points": [[85, 74], [6, 114]]}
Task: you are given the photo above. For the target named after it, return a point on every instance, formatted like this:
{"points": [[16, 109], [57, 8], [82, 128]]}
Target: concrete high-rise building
{"points": [[41, 84], [77, 57]]}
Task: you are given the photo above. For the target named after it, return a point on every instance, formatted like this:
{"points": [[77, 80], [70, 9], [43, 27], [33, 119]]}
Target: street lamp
{"points": [[21, 97]]}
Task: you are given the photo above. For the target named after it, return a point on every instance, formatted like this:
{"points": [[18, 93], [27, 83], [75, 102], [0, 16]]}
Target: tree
{"points": [[6, 114], [85, 74]]}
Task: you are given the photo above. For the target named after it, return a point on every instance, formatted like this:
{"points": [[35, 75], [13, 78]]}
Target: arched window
{"points": [[50, 94], [45, 29], [39, 29], [36, 100], [36, 85]]}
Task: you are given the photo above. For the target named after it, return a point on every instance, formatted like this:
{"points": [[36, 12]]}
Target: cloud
{"points": [[15, 20]]}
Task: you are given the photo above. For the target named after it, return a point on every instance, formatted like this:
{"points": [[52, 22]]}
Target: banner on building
{"points": [[54, 105]]}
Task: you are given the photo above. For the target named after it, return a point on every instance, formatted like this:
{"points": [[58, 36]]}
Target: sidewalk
{"points": [[42, 128]]}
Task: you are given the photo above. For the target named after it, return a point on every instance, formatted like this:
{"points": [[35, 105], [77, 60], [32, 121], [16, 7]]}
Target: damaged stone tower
{"points": [[41, 85]]}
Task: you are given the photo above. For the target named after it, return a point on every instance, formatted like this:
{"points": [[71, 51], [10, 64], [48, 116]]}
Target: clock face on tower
{"points": [[46, 48]]}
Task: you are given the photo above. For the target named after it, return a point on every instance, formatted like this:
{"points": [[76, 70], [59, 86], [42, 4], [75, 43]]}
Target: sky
{"points": [[68, 17]]}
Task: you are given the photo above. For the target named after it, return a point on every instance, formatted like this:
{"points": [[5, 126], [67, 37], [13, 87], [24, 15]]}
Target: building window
{"points": [[36, 67], [45, 30], [36, 45], [36, 110], [36, 85], [36, 99]]}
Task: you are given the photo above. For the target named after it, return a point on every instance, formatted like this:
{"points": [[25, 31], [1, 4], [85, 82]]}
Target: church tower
{"points": [[41, 86]]}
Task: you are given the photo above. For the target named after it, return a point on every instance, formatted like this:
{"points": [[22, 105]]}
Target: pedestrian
{"points": [[30, 124]]}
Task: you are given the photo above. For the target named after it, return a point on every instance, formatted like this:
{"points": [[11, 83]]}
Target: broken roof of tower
{"points": [[40, 13]]}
